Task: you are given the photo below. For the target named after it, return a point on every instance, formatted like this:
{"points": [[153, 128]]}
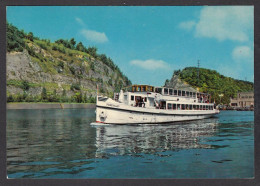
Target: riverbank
{"points": [[50, 105]]}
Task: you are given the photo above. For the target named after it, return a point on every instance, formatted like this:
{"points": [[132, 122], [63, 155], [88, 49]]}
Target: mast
{"points": [[198, 72]]}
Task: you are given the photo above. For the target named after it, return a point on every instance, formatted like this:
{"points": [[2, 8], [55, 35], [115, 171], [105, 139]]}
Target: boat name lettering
{"points": [[112, 105]]}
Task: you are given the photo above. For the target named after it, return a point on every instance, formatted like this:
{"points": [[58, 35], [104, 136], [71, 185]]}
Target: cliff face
{"points": [[59, 74], [64, 70]]}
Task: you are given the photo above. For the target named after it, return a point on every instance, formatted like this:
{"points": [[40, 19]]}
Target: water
{"points": [[59, 143]]}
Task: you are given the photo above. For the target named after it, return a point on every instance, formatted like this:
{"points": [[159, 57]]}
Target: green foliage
{"points": [[44, 94], [212, 82], [70, 52], [25, 85], [15, 39], [61, 64], [75, 87], [72, 70], [92, 51], [30, 36]]}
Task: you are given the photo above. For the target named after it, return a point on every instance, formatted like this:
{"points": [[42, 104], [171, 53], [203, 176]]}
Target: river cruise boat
{"points": [[144, 104]]}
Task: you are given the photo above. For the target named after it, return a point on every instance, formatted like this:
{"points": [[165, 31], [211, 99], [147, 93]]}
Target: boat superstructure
{"points": [[149, 104]]}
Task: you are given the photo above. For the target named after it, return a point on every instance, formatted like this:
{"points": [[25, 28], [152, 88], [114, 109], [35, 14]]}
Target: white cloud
{"points": [[80, 21], [222, 23], [187, 25], [150, 64], [243, 53], [92, 35]]}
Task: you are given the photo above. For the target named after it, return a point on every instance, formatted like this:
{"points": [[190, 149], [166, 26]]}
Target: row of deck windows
{"points": [[188, 107], [167, 91]]}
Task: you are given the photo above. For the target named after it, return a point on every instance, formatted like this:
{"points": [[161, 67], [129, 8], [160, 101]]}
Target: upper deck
{"points": [[165, 91]]}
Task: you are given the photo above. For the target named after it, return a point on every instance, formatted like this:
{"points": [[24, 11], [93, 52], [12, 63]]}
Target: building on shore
{"points": [[243, 100]]}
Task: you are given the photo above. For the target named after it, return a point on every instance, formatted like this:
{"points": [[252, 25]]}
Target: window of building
{"points": [[170, 91], [166, 91], [132, 98]]}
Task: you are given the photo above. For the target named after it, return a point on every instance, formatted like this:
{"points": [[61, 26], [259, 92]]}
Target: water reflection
{"points": [[126, 139], [44, 139]]}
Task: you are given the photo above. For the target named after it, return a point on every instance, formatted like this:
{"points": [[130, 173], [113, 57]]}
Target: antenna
{"points": [[198, 72]]}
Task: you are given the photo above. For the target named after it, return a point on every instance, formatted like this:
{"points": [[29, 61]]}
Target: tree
{"points": [[73, 42], [81, 47], [30, 36], [44, 94], [92, 51]]}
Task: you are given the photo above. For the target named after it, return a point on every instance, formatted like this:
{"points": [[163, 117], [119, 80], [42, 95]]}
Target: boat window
{"points": [[200, 107], [182, 107], [194, 107], [179, 92], [190, 107], [169, 106], [178, 107], [138, 89], [183, 93], [207, 107], [188, 93], [175, 92], [165, 90], [132, 98], [187, 107], [142, 89], [170, 91], [204, 107], [174, 107], [194, 94], [197, 107]]}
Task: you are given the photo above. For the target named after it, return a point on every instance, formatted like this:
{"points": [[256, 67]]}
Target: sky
{"points": [[149, 42]]}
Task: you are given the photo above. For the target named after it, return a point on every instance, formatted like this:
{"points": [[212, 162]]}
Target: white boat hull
{"points": [[116, 113]]}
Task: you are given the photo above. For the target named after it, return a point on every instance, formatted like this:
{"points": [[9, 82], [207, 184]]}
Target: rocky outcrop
{"points": [[21, 67], [177, 83]]}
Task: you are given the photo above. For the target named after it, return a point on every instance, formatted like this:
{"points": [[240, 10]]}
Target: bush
{"points": [[10, 98], [75, 87], [72, 70], [25, 85], [61, 64]]}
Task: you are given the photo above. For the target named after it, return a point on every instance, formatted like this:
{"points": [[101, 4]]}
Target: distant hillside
{"points": [[67, 71], [212, 82]]}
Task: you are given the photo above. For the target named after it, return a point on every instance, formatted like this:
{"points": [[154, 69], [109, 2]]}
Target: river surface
{"points": [[56, 143]]}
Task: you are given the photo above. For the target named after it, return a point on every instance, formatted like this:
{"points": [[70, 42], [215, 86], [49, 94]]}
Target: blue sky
{"points": [[148, 43]]}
